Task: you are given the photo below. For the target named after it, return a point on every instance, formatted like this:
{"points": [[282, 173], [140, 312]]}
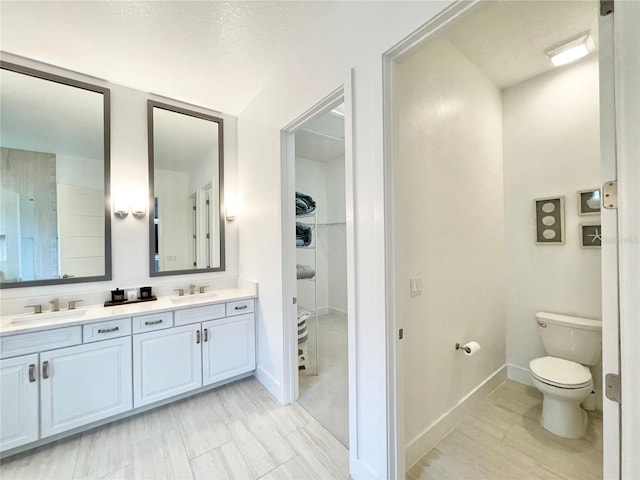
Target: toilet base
{"points": [[563, 418]]}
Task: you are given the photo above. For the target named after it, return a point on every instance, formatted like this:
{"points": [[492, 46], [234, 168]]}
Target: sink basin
{"points": [[43, 317], [195, 298]]}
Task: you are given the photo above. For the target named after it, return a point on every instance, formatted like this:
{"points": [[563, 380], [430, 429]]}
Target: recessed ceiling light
{"points": [[571, 50]]}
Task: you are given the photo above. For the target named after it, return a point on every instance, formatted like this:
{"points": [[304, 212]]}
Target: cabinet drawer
{"points": [[148, 323], [94, 332], [239, 308], [25, 343], [198, 314]]}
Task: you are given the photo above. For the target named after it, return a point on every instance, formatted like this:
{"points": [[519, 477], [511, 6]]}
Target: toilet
{"points": [[562, 377]]}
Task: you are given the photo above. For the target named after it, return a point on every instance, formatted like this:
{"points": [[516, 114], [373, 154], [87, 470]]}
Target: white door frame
{"points": [[627, 106], [343, 94], [626, 40]]}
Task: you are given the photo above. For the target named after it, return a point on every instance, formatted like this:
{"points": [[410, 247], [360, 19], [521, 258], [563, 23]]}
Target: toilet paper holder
{"points": [[463, 347]]}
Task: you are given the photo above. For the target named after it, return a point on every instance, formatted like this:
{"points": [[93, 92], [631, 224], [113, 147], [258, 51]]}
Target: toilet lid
{"points": [[560, 372]]}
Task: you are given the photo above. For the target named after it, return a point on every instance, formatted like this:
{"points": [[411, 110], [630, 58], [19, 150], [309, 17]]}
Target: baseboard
{"points": [[337, 311], [418, 446], [519, 374], [270, 383]]}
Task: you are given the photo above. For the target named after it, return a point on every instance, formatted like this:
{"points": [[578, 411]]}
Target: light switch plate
{"points": [[415, 286]]}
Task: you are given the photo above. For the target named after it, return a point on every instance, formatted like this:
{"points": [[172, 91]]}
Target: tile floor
{"points": [[326, 395], [503, 439], [237, 431]]}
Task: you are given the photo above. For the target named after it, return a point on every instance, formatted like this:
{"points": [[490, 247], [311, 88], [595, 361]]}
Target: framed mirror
{"points": [[55, 221], [186, 220]]}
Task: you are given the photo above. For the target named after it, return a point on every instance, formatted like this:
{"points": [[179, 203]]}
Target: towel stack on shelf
{"points": [[304, 272], [304, 204]]}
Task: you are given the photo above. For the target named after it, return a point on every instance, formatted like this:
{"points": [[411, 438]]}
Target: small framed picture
{"points": [[589, 202], [549, 215], [590, 235]]}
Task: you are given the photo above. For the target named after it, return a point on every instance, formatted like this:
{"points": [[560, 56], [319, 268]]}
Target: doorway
{"points": [[318, 277], [482, 131]]}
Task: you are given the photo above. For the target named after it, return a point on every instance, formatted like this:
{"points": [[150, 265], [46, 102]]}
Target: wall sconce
{"points": [[231, 213], [123, 205]]}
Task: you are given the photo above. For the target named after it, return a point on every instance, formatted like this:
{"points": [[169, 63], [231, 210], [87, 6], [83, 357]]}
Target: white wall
{"points": [[130, 236], [449, 228], [356, 38], [551, 147]]}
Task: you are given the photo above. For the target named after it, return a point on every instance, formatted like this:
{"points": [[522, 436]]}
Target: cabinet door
{"points": [[166, 363], [83, 384], [229, 348], [18, 401]]}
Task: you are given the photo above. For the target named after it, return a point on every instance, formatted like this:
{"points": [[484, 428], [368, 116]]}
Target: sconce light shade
{"points": [[571, 50], [138, 208], [231, 213], [120, 207]]}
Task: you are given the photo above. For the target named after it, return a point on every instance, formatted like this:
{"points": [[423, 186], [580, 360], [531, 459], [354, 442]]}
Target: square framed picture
{"points": [[589, 202], [549, 215], [590, 235]]}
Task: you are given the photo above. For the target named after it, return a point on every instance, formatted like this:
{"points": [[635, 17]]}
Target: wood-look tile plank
{"points": [[152, 423], [161, 457], [104, 450], [289, 418], [224, 462], [293, 469], [56, 460], [321, 451], [262, 447], [201, 424]]}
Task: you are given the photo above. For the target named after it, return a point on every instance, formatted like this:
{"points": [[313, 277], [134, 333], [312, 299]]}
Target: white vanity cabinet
{"points": [[228, 348], [57, 380], [166, 363], [53, 391], [80, 385], [203, 349], [19, 413]]}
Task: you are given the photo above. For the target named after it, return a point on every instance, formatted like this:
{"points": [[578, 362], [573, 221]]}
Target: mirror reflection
{"points": [[186, 175], [53, 178]]}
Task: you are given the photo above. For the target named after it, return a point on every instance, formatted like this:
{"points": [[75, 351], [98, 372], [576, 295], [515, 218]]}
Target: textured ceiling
{"points": [[211, 53], [508, 39]]}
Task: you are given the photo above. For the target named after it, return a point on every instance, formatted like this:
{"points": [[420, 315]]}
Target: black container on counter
{"points": [[117, 295], [145, 292]]}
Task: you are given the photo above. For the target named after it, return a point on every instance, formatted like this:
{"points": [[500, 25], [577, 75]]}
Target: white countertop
{"points": [[31, 322]]}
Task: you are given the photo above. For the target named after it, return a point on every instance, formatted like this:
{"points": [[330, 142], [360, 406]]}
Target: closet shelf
{"points": [[302, 215], [306, 248]]}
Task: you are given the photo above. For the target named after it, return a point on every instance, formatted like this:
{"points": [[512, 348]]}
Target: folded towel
{"points": [[304, 204], [303, 234], [303, 315], [305, 271]]}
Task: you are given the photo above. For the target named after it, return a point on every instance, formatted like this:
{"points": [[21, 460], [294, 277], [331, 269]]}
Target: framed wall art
{"points": [[589, 202], [549, 216], [590, 235]]}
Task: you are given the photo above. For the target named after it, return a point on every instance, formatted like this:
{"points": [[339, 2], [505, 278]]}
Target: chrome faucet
{"points": [[55, 305], [192, 289], [180, 291], [203, 287]]}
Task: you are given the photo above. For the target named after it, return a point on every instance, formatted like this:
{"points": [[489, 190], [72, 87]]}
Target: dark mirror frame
{"points": [[151, 104], [106, 96]]}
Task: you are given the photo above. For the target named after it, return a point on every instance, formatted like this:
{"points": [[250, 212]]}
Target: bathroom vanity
{"points": [[63, 372]]}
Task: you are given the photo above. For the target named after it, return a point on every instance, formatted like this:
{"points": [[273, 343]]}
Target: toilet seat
{"points": [[560, 373]]}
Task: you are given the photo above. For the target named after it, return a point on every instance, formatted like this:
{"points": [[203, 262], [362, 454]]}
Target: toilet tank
{"points": [[572, 338]]}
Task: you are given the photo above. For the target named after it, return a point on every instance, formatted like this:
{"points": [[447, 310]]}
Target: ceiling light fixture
{"points": [[572, 50]]}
